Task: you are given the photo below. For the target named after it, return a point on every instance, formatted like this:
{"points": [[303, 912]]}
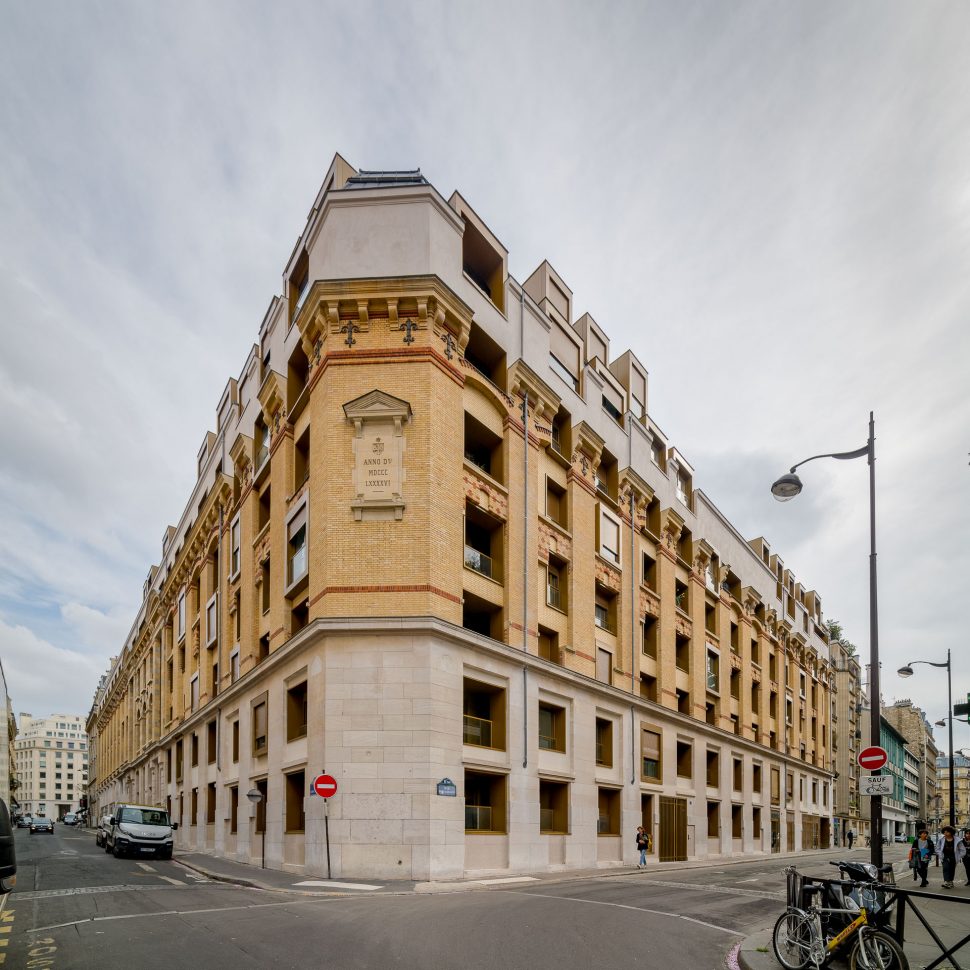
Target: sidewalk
{"points": [[950, 922], [275, 880]]}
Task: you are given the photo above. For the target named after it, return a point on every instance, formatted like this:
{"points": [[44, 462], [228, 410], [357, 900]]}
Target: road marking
{"points": [[145, 866], [753, 879], [85, 890], [730, 890], [506, 880], [337, 885], [174, 882], [637, 909]]}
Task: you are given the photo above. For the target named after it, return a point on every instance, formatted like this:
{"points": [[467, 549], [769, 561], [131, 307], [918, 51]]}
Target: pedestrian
{"points": [[643, 843], [920, 853], [950, 852], [966, 854], [850, 835]]}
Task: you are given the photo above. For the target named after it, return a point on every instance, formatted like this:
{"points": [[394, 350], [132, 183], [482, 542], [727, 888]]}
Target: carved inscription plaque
{"points": [[378, 419]]}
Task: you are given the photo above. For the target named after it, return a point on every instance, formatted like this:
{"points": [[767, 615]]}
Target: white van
{"points": [[140, 830]]}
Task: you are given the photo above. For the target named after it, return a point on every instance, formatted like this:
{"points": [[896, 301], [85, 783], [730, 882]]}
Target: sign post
{"points": [[326, 787]]}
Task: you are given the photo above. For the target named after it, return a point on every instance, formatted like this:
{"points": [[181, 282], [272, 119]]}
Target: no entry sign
{"points": [[325, 786], [873, 758]]}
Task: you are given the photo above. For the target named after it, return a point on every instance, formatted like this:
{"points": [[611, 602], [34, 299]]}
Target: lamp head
{"points": [[906, 671], [787, 487], [941, 722]]}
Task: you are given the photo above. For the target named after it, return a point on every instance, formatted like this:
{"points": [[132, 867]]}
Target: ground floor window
{"points": [[233, 809], [608, 818], [295, 793], [553, 807], [713, 819], [485, 799]]}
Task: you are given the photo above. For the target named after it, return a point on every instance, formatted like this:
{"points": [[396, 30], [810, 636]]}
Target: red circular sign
{"points": [[873, 758], [325, 785]]}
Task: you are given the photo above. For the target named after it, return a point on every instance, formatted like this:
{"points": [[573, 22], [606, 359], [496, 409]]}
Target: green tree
{"points": [[836, 633]]}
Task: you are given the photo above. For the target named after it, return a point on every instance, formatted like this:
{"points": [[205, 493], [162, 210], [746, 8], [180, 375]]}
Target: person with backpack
{"points": [[920, 853]]}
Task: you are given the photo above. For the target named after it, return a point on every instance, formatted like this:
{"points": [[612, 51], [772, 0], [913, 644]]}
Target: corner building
{"points": [[436, 537]]}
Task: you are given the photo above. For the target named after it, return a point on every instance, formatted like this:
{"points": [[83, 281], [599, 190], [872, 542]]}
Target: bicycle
{"points": [[800, 939]]}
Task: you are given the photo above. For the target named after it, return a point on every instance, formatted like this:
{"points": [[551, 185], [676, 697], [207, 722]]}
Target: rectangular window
{"points": [[234, 546], [713, 769], [233, 809], [485, 798], [211, 621], [685, 760], [552, 727], [211, 742], [713, 671], [296, 712], [194, 692], [651, 636], [604, 666], [737, 774], [556, 502], [181, 615], [604, 742], [260, 726], [295, 793], [194, 803], [195, 749], [650, 755], [483, 715], [713, 819], [296, 550], [179, 760], [210, 803], [756, 778], [235, 742], [609, 538], [608, 815], [262, 786], [234, 666], [737, 816], [265, 573], [553, 807]]}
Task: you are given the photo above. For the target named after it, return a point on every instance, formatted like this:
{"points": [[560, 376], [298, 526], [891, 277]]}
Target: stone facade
{"points": [[910, 721], [436, 537], [847, 731]]}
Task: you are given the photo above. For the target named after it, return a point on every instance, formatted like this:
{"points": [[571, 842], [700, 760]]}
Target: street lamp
{"points": [[907, 671], [786, 488], [256, 796]]}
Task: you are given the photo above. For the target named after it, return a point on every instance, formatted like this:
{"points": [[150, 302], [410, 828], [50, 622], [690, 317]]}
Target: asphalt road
{"points": [[76, 908]]}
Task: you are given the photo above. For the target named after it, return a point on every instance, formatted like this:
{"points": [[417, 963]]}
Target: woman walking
{"points": [[643, 843], [950, 852]]}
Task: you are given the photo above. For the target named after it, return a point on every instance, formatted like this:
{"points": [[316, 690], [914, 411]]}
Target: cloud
{"points": [[45, 679]]}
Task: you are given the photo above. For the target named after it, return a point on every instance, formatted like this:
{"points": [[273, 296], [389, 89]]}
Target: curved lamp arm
{"points": [[840, 455]]}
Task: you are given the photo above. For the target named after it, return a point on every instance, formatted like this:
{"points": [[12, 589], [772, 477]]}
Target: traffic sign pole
{"points": [[326, 787], [326, 829]]}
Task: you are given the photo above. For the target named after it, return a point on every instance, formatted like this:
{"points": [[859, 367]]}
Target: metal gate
{"points": [[673, 829]]}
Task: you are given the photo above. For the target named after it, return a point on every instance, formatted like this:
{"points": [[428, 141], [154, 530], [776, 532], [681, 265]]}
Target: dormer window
{"points": [[657, 453]]}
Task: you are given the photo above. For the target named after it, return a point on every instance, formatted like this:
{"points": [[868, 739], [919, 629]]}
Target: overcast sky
{"points": [[769, 203]]}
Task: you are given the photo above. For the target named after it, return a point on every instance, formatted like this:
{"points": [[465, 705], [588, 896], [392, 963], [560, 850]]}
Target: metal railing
{"points": [[478, 818], [554, 596], [547, 742], [481, 563], [477, 730], [547, 820], [602, 620]]}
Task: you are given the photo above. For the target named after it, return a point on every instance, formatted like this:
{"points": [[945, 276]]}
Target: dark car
{"points": [[70, 819], [42, 824]]}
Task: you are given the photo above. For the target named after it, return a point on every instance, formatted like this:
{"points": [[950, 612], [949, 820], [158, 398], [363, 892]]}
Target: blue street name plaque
{"points": [[448, 788]]}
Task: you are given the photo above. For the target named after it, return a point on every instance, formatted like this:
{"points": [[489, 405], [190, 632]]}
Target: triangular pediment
{"points": [[377, 404]]}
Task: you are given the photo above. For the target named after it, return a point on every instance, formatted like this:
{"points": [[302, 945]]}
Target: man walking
{"points": [[643, 844], [850, 836], [920, 853]]}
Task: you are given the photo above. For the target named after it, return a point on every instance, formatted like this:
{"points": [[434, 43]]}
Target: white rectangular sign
{"points": [[876, 784]]}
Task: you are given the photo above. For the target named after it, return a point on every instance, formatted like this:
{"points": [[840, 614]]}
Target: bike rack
{"points": [[904, 899]]}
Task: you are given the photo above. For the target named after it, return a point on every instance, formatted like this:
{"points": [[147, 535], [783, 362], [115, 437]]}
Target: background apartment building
{"points": [[920, 779], [961, 792], [51, 759], [847, 708], [437, 537]]}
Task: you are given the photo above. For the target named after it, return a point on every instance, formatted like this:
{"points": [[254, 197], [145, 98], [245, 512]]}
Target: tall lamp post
{"points": [[907, 671], [787, 487]]}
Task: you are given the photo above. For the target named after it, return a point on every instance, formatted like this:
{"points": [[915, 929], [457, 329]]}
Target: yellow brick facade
{"points": [[544, 553]]}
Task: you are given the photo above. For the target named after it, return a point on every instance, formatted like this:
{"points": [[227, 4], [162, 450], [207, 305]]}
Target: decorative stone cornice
{"points": [[703, 554], [242, 456], [671, 526], [544, 400], [272, 399]]}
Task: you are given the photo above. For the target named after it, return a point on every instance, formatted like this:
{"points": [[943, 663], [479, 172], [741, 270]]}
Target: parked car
{"points": [[41, 824], [70, 819], [24, 822], [101, 836], [901, 838], [140, 830]]}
